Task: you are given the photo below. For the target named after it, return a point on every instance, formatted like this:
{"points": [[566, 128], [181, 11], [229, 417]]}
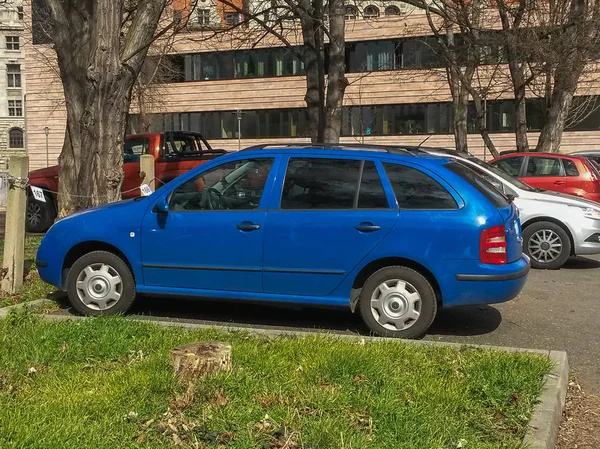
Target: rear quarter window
{"points": [[416, 190], [484, 187]]}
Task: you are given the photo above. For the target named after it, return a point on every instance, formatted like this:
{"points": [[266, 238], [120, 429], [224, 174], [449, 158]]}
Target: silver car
{"points": [[555, 226]]}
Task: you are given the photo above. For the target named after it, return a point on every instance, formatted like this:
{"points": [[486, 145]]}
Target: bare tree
{"points": [[101, 47]]}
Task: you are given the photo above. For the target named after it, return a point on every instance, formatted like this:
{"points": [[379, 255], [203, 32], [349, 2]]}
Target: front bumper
{"points": [[586, 237]]}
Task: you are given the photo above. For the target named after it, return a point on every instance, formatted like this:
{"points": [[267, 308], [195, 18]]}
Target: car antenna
{"points": [[426, 139]]}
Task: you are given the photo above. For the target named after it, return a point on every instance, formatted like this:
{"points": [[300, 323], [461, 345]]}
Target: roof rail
{"points": [[333, 146]]}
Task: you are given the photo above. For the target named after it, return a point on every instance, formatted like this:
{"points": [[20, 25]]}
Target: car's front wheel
{"points": [[100, 283], [547, 244], [398, 302]]}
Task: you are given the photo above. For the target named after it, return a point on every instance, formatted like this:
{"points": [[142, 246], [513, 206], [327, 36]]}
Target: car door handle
{"points": [[367, 227], [559, 183], [248, 226]]}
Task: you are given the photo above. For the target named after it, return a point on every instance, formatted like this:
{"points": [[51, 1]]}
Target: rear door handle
{"points": [[248, 226], [558, 183], [367, 227]]}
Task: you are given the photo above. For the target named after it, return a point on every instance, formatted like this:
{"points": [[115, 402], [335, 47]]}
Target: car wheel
{"points": [[100, 283], [39, 215], [547, 244], [398, 302]]}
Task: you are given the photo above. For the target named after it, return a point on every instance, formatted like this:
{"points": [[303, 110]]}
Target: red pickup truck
{"points": [[174, 154]]}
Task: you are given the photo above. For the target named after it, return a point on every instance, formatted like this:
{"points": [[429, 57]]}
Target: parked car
{"points": [[562, 173], [383, 232], [593, 155], [555, 226], [174, 153]]}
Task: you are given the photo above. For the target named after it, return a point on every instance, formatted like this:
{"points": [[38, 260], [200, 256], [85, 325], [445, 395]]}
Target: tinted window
{"points": [[570, 168], [416, 190], [134, 148], [510, 165], [543, 166], [232, 186], [320, 184], [371, 195], [483, 186]]}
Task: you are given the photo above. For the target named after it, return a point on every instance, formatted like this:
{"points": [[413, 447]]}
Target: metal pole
{"points": [[485, 121], [47, 132], [239, 119]]}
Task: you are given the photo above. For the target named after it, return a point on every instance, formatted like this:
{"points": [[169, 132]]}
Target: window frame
{"points": [[15, 76], [10, 138], [441, 181], [564, 161], [374, 12], [18, 106], [267, 193], [520, 172], [277, 194], [203, 17], [526, 164], [13, 43], [234, 14]]}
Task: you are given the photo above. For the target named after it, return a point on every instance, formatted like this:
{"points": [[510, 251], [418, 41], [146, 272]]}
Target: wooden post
{"points": [[14, 236], [147, 170]]}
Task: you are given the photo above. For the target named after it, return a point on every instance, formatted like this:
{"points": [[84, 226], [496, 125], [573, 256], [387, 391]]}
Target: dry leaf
{"points": [[219, 399], [359, 378], [141, 438]]}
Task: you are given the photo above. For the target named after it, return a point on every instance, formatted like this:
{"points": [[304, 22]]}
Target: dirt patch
{"points": [[580, 428]]}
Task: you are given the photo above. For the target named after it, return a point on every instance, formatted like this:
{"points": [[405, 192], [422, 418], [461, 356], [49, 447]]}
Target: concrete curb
{"points": [[547, 414], [29, 304]]}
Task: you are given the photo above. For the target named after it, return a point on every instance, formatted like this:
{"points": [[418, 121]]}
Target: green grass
{"points": [[99, 383], [33, 287]]}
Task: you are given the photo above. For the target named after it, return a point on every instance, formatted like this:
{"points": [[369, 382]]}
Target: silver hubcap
{"points": [[396, 305], [99, 286], [34, 213], [545, 246]]}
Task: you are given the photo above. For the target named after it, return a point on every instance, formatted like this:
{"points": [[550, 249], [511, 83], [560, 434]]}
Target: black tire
{"points": [[97, 260], [531, 236], [415, 283], [40, 216]]}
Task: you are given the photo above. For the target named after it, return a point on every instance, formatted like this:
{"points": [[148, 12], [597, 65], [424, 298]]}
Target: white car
{"points": [[555, 226]]}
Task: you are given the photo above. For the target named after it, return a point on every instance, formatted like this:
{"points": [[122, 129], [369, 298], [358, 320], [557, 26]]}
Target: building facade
{"points": [[12, 81], [239, 90]]}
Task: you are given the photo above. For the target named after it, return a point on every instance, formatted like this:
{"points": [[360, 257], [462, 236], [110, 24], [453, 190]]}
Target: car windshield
{"points": [[514, 181]]}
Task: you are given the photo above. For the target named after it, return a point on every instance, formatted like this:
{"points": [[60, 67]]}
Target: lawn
{"points": [[106, 383], [33, 287]]}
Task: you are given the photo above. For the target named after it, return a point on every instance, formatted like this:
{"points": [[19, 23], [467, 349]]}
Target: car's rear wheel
{"points": [[547, 244], [39, 215], [100, 283], [398, 302]]}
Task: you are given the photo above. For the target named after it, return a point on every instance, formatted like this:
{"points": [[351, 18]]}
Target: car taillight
{"points": [[492, 245]]}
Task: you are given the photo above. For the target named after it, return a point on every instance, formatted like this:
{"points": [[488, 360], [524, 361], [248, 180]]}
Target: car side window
{"points": [[320, 184], [510, 165], [416, 190], [543, 166], [134, 148], [371, 194], [234, 185], [570, 167]]}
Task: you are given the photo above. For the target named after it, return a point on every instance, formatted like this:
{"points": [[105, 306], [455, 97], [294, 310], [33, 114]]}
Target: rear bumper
{"points": [[473, 283]]}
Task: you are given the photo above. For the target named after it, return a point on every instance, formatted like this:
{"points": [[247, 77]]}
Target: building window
{"points": [[232, 18], [15, 108], [204, 17], [15, 138], [392, 11], [371, 12], [13, 71], [351, 13], [13, 43], [20, 13]]}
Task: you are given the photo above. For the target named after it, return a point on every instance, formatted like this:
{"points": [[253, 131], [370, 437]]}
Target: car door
{"points": [[211, 238], [133, 148], [326, 217], [544, 173]]}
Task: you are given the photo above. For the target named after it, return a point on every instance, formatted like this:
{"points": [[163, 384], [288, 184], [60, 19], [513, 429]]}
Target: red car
{"points": [[174, 153], [574, 175]]}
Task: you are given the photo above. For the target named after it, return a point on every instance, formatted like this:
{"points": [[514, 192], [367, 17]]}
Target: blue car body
{"points": [[297, 256]]}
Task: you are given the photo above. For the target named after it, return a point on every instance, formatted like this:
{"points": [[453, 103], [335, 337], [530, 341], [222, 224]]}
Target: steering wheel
{"points": [[218, 194]]}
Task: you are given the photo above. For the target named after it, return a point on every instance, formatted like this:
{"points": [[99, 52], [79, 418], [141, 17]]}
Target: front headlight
{"points": [[591, 212]]}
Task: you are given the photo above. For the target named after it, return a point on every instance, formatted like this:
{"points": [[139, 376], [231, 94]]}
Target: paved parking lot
{"points": [[557, 310]]}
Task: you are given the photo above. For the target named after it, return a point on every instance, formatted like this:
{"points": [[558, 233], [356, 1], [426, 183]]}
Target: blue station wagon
{"points": [[387, 233]]}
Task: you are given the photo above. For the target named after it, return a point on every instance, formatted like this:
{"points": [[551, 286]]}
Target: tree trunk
{"points": [[521, 122], [554, 125], [337, 81], [99, 63]]}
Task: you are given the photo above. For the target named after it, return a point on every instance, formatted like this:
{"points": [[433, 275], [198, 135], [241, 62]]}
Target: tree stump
{"points": [[199, 359]]}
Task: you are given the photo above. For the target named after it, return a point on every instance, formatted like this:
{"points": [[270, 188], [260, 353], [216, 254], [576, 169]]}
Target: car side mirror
{"points": [[162, 206]]}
